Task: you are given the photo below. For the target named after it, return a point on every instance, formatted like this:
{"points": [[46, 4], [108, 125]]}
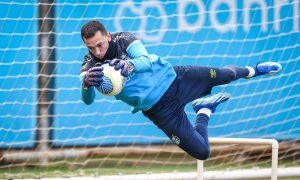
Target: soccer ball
{"points": [[113, 82]]}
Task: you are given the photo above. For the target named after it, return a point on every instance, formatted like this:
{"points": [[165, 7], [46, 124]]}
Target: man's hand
{"points": [[94, 76], [125, 66]]}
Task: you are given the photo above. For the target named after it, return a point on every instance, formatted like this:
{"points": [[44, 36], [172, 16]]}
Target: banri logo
{"points": [[238, 15]]}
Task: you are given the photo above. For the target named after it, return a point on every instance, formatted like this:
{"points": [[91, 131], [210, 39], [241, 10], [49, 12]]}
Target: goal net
{"points": [[46, 128]]}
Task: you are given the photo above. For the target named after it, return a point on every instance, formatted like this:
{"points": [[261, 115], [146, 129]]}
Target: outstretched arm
{"points": [[89, 79], [139, 57], [139, 61], [88, 95], [87, 92]]}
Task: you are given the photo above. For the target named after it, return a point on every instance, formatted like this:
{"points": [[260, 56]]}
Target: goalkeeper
{"points": [[159, 90]]}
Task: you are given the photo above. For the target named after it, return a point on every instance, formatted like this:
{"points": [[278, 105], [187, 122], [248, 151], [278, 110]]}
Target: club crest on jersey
{"points": [[176, 140], [124, 56]]}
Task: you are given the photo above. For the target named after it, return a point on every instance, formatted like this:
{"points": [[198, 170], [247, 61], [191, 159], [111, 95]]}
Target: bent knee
{"points": [[203, 154]]}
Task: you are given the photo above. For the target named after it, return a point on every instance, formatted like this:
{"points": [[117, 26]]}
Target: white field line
{"points": [[209, 175]]}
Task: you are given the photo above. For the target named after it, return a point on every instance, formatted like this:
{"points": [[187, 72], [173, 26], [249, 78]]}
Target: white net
{"points": [[105, 134]]}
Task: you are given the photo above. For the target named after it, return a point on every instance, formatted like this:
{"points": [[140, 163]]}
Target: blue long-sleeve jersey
{"points": [[151, 78]]}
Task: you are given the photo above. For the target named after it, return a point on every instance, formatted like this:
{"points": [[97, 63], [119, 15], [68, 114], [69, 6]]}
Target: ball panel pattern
{"points": [[106, 86], [113, 81]]}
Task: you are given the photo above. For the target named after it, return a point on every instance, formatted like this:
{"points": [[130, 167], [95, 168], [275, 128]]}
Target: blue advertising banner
{"points": [[18, 72], [193, 32], [184, 32]]}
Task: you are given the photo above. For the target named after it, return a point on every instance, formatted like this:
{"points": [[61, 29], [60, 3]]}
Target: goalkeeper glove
{"points": [[94, 76], [125, 66]]}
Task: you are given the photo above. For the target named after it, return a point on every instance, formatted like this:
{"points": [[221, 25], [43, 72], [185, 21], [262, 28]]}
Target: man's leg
{"points": [[197, 81], [178, 128], [232, 73], [195, 140], [175, 124]]}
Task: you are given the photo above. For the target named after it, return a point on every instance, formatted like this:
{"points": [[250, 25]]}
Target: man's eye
{"points": [[99, 45]]}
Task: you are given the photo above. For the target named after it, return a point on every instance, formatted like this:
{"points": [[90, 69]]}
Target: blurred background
{"points": [[45, 127]]}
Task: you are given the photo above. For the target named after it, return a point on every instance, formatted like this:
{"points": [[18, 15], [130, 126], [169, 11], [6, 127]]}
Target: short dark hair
{"points": [[89, 29]]}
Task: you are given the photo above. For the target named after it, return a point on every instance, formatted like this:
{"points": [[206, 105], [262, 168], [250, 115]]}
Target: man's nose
{"points": [[98, 51]]}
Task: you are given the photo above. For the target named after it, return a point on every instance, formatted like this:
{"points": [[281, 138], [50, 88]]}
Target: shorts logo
{"points": [[176, 140], [213, 73]]}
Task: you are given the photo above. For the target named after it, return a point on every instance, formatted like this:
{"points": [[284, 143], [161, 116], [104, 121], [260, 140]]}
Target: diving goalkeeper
{"points": [[158, 89]]}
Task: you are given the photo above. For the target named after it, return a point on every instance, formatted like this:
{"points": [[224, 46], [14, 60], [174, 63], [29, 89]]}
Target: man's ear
{"points": [[83, 39], [108, 36]]}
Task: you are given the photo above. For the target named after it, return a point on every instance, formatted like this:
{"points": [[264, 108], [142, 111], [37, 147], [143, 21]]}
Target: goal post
{"points": [[272, 142]]}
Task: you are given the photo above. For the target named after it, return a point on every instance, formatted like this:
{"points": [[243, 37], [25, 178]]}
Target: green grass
{"points": [[131, 164], [37, 172]]}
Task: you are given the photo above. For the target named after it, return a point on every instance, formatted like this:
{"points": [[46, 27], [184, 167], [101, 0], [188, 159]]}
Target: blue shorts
{"points": [[168, 113], [191, 82]]}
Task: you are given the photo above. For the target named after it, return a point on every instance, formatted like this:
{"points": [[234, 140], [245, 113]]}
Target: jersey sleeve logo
{"points": [[124, 56]]}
